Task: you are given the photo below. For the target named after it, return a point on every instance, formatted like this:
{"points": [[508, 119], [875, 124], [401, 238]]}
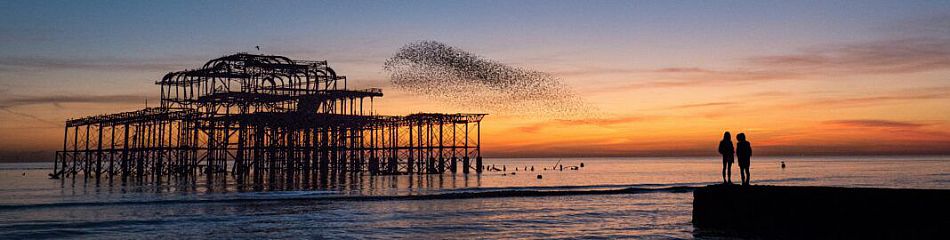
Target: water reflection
{"points": [[341, 183], [29, 184], [923, 173]]}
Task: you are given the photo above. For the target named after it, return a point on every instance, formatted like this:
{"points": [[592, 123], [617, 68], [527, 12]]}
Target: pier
{"points": [[264, 119]]}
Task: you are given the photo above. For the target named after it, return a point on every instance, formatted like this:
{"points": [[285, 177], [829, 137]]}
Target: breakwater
{"points": [[822, 212]]}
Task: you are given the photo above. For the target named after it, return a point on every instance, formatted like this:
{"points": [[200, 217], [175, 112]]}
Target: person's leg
{"points": [[741, 175], [748, 176], [729, 172], [724, 171]]}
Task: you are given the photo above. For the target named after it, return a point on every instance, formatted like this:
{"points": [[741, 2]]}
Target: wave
{"points": [[322, 196]]}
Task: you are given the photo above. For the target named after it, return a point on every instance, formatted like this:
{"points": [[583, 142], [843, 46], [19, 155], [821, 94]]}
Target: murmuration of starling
{"points": [[453, 75]]}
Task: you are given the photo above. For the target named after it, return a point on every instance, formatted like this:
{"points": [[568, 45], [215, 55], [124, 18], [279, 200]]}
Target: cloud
{"points": [[20, 36], [750, 102], [726, 75], [6, 105], [874, 123], [920, 45], [893, 131], [874, 57], [678, 77], [889, 56], [599, 122], [937, 25], [48, 63], [533, 128], [596, 70], [859, 137], [702, 105], [893, 97], [29, 116], [61, 99], [599, 148]]}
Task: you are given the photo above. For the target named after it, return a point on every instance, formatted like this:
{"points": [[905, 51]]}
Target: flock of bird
{"points": [[453, 75]]}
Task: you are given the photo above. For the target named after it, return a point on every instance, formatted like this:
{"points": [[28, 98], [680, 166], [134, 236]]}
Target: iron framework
{"points": [[263, 118]]}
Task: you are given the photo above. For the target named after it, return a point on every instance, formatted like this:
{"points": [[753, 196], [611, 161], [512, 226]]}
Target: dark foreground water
{"points": [[429, 206]]}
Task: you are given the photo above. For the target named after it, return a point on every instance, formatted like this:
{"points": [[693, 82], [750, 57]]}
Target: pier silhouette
{"points": [[264, 119]]}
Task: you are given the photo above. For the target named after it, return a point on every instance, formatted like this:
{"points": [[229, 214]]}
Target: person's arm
{"points": [[743, 149]]}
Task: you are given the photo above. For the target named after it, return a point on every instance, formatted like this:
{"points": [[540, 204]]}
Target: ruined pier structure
{"points": [[265, 118]]}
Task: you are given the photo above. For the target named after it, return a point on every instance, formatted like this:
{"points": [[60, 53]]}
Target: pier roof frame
{"points": [[142, 115]]}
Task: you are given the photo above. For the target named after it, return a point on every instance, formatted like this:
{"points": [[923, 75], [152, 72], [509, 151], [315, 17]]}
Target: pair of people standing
{"points": [[743, 151]]}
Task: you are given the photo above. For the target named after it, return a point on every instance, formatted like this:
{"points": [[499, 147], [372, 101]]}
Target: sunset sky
{"points": [[665, 78]]}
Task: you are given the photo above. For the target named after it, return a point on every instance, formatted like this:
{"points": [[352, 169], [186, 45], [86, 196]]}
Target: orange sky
{"points": [[871, 83]]}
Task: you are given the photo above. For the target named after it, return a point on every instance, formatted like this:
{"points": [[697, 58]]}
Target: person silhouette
{"points": [[744, 153], [727, 151]]}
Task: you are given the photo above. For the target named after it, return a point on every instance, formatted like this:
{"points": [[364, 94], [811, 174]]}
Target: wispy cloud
{"points": [[600, 148], [871, 136], [599, 122], [916, 46], [532, 128], [908, 130], [32, 117], [61, 99], [703, 105], [887, 98], [873, 57], [730, 75], [890, 56], [678, 77], [823, 100], [874, 123], [51, 63], [595, 70], [9, 105]]}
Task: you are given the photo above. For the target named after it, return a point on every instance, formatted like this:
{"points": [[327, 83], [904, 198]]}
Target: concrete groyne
{"points": [[822, 212]]}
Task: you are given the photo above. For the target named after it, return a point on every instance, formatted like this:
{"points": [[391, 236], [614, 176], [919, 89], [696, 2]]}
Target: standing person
{"points": [[727, 151], [744, 153]]}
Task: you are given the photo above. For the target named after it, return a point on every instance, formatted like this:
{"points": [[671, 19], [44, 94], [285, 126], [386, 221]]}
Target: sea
{"points": [[502, 204]]}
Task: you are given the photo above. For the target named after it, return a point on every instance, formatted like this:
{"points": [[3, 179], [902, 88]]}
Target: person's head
{"points": [[727, 136], [740, 136]]}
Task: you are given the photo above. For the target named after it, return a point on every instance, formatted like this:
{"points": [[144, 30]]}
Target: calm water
{"points": [[33, 206]]}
